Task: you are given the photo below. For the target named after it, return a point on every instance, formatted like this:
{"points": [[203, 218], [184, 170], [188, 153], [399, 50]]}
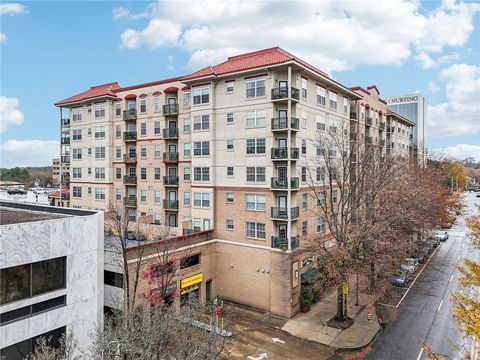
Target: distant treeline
{"points": [[27, 175]]}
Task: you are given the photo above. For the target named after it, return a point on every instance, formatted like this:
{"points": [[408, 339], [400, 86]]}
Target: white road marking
{"points": [[439, 306], [277, 340], [451, 278], [259, 357], [420, 355], [458, 259]]}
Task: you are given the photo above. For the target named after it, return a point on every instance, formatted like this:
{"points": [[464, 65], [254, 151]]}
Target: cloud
{"points": [[11, 9], [425, 59], [460, 151], [10, 113], [3, 38], [19, 152], [433, 88], [460, 114], [328, 34], [121, 12]]}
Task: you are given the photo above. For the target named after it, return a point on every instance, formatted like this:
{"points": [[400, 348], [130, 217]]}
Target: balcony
{"points": [[130, 201], [130, 180], [278, 213], [170, 157], [369, 140], [353, 136], [130, 114], [282, 183], [130, 136], [170, 109], [369, 121], [382, 126], [282, 124], [65, 122], [353, 116], [170, 133], [130, 158], [65, 159], [282, 94], [170, 204], [170, 180], [65, 141], [285, 153]]}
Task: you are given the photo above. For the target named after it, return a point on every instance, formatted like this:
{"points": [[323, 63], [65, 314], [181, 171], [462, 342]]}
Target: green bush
{"points": [[306, 296]]}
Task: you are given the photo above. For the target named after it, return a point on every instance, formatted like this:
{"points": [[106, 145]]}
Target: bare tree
{"points": [[66, 349]]}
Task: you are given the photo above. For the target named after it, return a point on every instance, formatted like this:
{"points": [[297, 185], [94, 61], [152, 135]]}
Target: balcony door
{"points": [[132, 193], [172, 196], [282, 230], [282, 173], [282, 86], [171, 101], [172, 148], [132, 127], [282, 205], [132, 151], [172, 172], [282, 143], [131, 104], [172, 124], [132, 171]]}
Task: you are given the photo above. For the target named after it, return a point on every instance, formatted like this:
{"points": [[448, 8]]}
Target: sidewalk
{"points": [[312, 325]]}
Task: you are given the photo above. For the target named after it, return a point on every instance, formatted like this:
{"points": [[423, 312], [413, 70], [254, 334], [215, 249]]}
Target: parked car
{"points": [[435, 241], [410, 265], [402, 278], [16, 192], [442, 235], [421, 255], [478, 195]]}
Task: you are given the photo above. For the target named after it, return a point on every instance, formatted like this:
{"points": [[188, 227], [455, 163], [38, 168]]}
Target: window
{"points": [[321, 225], [255, 230], [304, 174], [143, 195], [255, 87], [201, 95], [320, 173], [157, 174], [255, 146], [201, 200], [304, 119], [333, 100], [118, 194], [256, 174], [321, 199], [157, 219], [186, 174], [100, 110], [201, 174], [113, 278], [304, 201], [77, 134], [201, 122], [304, 146], [229, 118], [100, 152], [156, 103], [186, 125], [230, 86], [77, 154], [76, 191], [304, 88], [99, 132], [89, 171], [118, 131], [156, 128], [321, 95], [89, 132], [99, 173], [304, 228], [77, 173], [23, 349], [229, 145], [143, 129], [118, 152], [118, 109], [187, 198], [345, 105], [143, 151], [230, 225], [255, 202], [157, 197], [334, 196], [143, 104], [186, 150], [77, 114], [201, 148], [320, 122], [186, 99], [256, 118], [156, 151], [229, 197], [99, 194], [190, 261], [143, 173], [229, 170]]}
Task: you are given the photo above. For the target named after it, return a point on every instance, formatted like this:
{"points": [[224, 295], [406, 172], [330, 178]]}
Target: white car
{"points": [[411, 265], [441, 235]]}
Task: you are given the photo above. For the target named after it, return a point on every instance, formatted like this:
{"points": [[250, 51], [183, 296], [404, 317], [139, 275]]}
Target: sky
{"points": [[52, 50]]}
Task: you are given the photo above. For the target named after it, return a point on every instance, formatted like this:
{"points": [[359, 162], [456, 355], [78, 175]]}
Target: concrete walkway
{"points": [[313, 324]]}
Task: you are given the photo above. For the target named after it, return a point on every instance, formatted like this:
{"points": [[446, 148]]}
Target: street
{"points": [[426, 312]]}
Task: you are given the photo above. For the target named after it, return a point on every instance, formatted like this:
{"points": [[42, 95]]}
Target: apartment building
{"points": [[224, 148], [51, 278], [400, 132], [59, 168]]}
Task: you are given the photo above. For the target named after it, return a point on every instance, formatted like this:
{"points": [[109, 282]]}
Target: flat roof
{"points": [[14, 216]]}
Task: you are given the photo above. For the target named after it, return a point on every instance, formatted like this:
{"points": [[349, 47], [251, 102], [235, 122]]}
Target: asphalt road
{"points": [[426, 312]]}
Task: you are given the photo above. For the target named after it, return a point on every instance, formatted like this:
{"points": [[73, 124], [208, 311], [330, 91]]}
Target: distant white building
{"points": [[51, 276]]}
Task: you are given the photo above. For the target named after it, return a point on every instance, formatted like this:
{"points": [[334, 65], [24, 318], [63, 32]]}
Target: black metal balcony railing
{"points": [[369, 121], [65, 158], [170, 109], [130, 136], [282, 183], [353, 136], [283, 153], [130, 114], [170, 180], [295, 242], [282, 213], [282, 123], [170, 156], [65, 122], [130, 180], [65, 141], [170, 133], [282, 93], [130, 201], [130, 158], [353, 116], [382, 126], [279, 242], [170, 204]]}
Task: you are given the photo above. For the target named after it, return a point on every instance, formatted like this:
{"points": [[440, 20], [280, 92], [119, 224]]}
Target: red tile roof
{"points": [[252, 60], [131, 96], [171, 89], [93, 92], [373, 87]]}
